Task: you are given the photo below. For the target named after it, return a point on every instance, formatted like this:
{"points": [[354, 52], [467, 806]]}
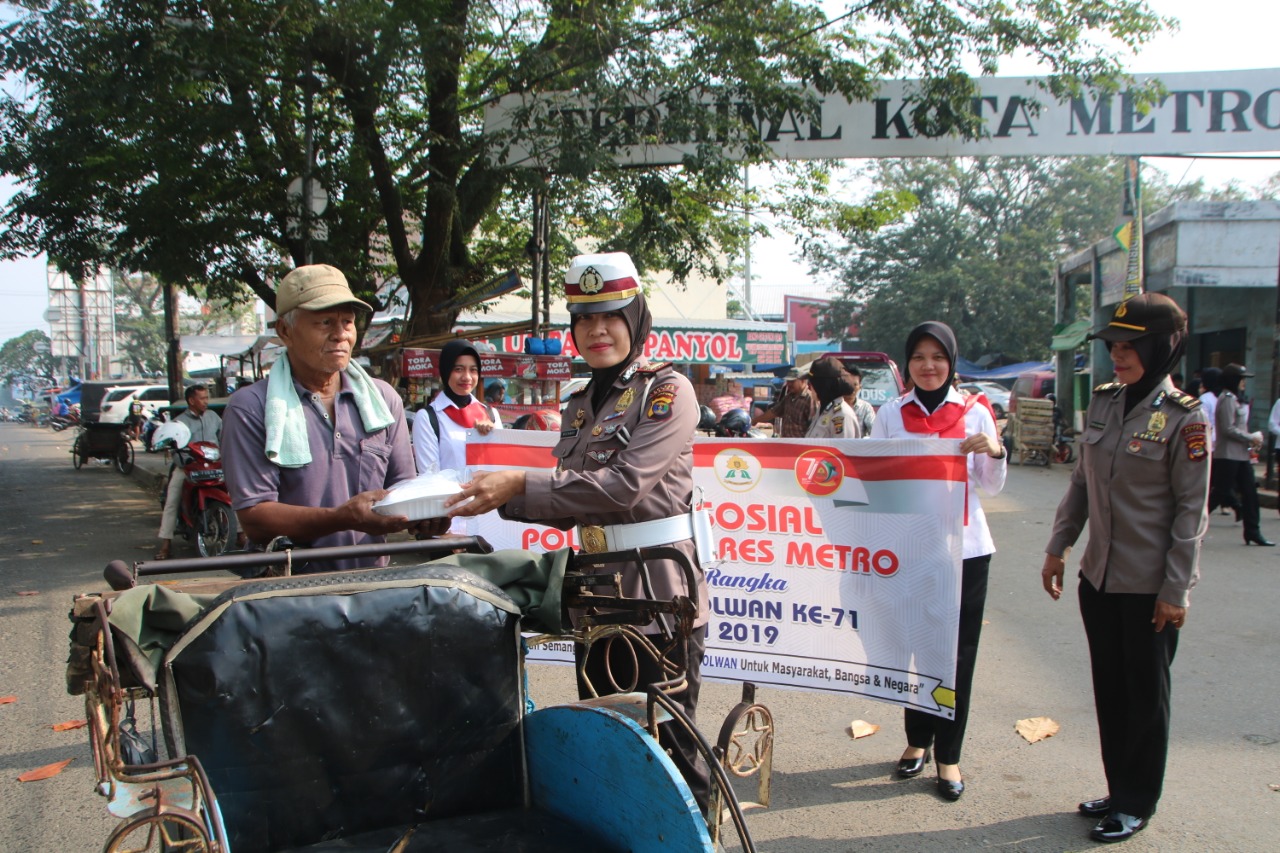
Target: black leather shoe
{"points": [[949, 790], [1257, 539], [1100, 807], [1117, 826], [909, 767]]}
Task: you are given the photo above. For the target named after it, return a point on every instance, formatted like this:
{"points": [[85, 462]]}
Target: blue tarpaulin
{"points": [[71, 396]]}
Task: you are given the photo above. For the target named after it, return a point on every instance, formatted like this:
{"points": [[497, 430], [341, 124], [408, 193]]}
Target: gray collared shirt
{"points": [[345, 459], [206, 427]]}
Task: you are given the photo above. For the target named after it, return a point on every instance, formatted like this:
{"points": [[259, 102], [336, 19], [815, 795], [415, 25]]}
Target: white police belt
{"points": [[598, 538]]}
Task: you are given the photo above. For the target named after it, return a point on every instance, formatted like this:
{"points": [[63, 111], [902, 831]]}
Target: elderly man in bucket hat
{"points": [[309, 451]]}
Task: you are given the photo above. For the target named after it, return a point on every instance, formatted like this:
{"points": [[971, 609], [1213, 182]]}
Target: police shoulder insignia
{"points": [[580, 391], [1196, 437], [658, 406], [655, 367], [1108, 386], [837, 423], [1184, 400]]}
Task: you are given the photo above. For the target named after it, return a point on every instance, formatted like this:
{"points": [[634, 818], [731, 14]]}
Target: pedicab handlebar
{"points": [[121, 576]]}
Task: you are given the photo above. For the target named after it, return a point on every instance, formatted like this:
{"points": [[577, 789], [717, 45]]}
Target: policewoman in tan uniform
{"points": [[624, 473], [1141, 483]]}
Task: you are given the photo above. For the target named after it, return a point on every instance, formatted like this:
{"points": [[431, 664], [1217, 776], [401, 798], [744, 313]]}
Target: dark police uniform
{"points": [[1141, 484]]}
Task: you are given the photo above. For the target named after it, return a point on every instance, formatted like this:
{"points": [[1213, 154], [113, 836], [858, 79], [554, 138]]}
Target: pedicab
{"points": [[105, 442], [386, 709]]}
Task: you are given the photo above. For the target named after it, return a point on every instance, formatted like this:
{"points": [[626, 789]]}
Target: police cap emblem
{"points": [[591, 281]]}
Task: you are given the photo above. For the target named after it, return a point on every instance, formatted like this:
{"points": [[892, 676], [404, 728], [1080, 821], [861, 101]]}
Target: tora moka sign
{"points": [[1199, 113]]}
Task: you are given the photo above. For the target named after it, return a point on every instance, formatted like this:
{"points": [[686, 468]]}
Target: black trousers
{"points": [[1131, 691], [679, 744], [1222, 489], [947, 736], [1237, 475]]}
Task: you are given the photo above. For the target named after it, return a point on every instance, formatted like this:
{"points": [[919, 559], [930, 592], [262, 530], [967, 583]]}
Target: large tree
{"points": [[27, 359], [976, 248], [161, 136], [140, 332]]}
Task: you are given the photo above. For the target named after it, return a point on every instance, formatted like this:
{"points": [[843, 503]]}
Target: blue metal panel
{"points": [[599, 769]]}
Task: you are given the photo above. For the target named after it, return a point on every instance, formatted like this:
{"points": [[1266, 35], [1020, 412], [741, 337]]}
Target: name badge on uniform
{"points": [[568, 433]]}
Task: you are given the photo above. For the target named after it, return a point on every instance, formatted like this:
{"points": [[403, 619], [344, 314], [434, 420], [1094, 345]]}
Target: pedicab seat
{"points": [[335, 713]]}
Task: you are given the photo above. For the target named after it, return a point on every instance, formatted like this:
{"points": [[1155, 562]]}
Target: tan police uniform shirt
{"points": [[629, 461], [1234, 440], [836, 420], [1141, 482]]}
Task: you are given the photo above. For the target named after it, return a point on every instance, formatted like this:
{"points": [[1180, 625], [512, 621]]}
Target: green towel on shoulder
{"points": [[286, 422]]}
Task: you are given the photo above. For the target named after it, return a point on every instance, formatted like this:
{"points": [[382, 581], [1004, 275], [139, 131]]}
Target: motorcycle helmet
{"points": [[735, 423], [170, 435], [706, 419]]}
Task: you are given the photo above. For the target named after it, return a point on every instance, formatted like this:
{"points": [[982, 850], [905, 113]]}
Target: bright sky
{"points": [[1225, 35]]}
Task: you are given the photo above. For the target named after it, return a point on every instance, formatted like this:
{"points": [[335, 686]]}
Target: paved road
{"points": [[830, 794]]}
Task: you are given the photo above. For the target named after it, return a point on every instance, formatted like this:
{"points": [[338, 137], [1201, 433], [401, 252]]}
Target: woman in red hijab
{"points": [[933, 408]]}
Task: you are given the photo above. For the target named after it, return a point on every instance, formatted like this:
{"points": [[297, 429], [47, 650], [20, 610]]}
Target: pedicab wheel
{"points": [[77, 455], [215, 529], [1062, 454], [124, 457], [164, 832]]}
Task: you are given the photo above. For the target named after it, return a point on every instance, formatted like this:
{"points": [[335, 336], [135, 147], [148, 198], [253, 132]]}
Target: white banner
{"points": [[840, 563], [1201, 113]]}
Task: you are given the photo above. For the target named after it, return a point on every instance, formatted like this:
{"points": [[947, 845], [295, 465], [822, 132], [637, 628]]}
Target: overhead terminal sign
{"points": [[1198, 113]]}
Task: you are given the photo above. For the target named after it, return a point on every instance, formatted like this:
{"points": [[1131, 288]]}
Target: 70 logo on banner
{"points": [[819, 472]]}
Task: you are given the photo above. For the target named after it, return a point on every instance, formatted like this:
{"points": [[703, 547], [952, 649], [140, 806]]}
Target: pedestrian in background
{"points": [[934, 408], [795, 408], [1221, 493], [863, 412], [833, 385], [1273, 425], [1236, 446], [1140, 484]]}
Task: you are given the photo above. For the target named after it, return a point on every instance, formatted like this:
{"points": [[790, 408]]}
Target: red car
{"points": [[881, 380]]}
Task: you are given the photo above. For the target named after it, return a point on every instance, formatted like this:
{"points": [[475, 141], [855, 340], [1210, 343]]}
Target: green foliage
{"points": [[26, 357], [162, 138], [140, 331], [977, 250]]}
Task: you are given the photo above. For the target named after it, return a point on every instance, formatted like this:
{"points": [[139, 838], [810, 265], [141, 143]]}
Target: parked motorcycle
{"points": [[205, 509], [70, 419]]}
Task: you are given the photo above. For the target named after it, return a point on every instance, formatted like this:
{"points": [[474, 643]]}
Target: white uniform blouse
{"points": [[984, 472], [450, 450]]}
